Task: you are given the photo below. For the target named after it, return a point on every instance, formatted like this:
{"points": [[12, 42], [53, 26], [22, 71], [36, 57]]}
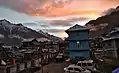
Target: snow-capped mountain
{"points": [[13, 34]]}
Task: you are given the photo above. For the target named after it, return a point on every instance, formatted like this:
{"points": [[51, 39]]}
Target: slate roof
{"points": [[28, 40], [116, 29], [112, 38], [76, 28], [38, 39], [43, 39]]}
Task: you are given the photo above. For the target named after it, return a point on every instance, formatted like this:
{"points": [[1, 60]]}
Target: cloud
{"points": [[20, 5], [56, 8], [78, 19], [55, 30], [17, 17], [59, 8], [38, 25], [34, 12], [32, 6], [44, 26], [30, 24], [60, 23], [66, 22]]}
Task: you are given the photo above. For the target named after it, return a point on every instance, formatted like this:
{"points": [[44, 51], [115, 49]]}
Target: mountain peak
{"points": [[4, 21], [15, 33]]}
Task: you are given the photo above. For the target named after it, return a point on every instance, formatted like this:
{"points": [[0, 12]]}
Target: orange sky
{"points": [[75, 7], [83, 8], [76, 10]]}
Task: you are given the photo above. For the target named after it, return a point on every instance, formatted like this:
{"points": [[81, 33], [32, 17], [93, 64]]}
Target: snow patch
{"points": [[23, 29], [15, 36], [38, 39], [43, 39], [28, 40]]}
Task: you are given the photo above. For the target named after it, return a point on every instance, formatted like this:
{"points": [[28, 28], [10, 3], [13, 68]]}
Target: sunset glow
{"points": [[89, 8], [59, 12]]}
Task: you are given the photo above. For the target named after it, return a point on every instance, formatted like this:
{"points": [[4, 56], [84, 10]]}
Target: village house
{"points": [[111, 44], [97, 47], [39, 47], [32, 58], [52, 46], [78, 42], [29, 44]]}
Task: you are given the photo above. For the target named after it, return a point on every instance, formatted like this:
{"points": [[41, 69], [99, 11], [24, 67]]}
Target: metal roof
{"points": [[77, 28], [112, 38], [114, 30], [38, 39]]}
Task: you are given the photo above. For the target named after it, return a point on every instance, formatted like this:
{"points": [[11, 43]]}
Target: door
{"points": [[118, 52]]}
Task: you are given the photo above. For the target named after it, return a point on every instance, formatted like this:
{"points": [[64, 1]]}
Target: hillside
{"points": [[104, 24]]}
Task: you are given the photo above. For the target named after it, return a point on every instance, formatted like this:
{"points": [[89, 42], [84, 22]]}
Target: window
{"points": [[109, 44], [75, 34], [84, 64], [79, 64], [70, 68], [104, 45], [89, 64], [78, 44], [76, 69]]}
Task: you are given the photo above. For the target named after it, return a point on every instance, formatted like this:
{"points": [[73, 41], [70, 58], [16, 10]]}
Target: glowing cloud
{"points": [[57, 8], [57, 12]]}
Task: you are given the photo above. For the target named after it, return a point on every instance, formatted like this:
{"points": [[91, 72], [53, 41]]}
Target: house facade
{"points": [[111, 47], [30, 44], [111, 44], [78, 42]]}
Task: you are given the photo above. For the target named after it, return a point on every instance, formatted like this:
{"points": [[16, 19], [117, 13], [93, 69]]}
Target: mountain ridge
{"points": [[14, 34], [104, 24]]}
